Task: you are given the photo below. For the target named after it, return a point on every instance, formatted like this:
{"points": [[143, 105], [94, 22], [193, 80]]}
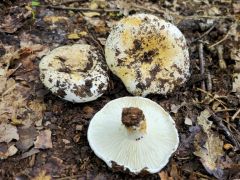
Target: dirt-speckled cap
{"points": [[76, 73], [148, 54]]}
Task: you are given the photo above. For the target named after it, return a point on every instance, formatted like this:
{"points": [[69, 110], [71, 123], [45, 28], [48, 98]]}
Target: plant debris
{"points": [[209, 145], [211, 150], [8, 132], [43, 140]]}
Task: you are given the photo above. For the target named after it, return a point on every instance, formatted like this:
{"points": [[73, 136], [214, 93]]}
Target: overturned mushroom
{"points": [[134, 133], [75, 73], [148, 54]]}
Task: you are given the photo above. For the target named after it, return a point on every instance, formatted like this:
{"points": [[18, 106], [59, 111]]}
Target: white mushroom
{"points": [[134, 133], [76, 73], [148, 54]]}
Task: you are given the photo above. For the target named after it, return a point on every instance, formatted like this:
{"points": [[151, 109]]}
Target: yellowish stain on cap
{"points": [[132, 21]]}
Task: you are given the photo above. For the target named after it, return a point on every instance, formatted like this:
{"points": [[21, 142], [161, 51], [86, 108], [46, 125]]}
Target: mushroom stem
{"points": [[134, 119]]}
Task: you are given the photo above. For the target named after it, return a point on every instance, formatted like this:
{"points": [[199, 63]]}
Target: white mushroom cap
{"points": [[76, 73], [148, 54], [133, 149]]}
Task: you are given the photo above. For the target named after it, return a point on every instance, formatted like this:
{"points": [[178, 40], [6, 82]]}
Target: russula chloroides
{"points": [[134, 133], [148, 54], [76, 73]]}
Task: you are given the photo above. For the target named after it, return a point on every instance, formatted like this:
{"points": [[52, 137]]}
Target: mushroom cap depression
{"points": [[76, 73], [148, 54], [147, 150]]}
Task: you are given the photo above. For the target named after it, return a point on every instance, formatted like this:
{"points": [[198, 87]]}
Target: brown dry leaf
{"points": [[8, 132], [175, 108], [27, 136], [10, 151], [54, 19], [174, 173], [13, 101], [91, 14], [95, 4], [37, 107], [43, 140], [164, 176], [14, 19], [73, 36], [211, 151], [42, 176]]}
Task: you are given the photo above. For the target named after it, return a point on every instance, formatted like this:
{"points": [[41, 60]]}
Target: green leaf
{"points": [[35, 3]]}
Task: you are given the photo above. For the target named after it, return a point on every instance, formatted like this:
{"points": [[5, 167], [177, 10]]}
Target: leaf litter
{"points": [[210, 151], [50, 122]]}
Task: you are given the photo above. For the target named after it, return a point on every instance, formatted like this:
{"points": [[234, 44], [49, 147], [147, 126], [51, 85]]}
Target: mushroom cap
{"points": [[148, 54], [76, 73], [110, 140]]}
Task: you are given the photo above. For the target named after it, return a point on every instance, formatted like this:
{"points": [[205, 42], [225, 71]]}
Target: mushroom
{"points": [[76, 73], [148, 54], [134, 133]]}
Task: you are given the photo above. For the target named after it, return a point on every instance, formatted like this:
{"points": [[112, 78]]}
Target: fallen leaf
{"points": [[29, 153], [73, 36], [91, 14], [95, 4], [9, 152], [164, 176], [38, 107], [188, 121], [43, 140], [228, 146], [42, 176], [14, 19], [175, 108], [26, 137], [8, 132], [211, 150], [54, 19]]}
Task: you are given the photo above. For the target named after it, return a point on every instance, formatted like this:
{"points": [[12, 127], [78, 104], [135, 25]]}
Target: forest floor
{"points": [[44, 137]]}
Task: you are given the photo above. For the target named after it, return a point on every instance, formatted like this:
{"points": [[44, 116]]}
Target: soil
{"points": [[71, 157]]}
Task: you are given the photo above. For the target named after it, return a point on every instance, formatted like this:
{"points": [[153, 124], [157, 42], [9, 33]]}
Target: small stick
{"points": [[222, 63], [209, 82], [70, 1], [202, 65], [223, 39], [204, 34], [81, 9], [236, 114], [219, 120]]}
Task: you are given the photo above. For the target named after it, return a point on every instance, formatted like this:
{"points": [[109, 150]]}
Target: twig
{"points": [[70, 1], [68, 177], [212, 96], [223, 39], [202, 65], [224, 110], [204, 34], [198, 174], [219, 122], [236, 114], [222, 63], [80, 9], [209, 82], [14, 70]]}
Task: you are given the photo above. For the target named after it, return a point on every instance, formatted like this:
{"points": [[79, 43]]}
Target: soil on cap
{"points": [[132, 116]]}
